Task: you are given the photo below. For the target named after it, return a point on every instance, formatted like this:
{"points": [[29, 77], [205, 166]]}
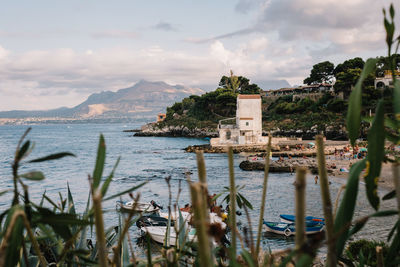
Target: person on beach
{"points": [[316, 179]]}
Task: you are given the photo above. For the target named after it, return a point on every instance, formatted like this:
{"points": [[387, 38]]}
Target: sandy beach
{"points": [[385, 179]]}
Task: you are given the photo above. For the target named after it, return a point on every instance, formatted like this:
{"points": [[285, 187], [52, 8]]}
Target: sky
{"points": [[57, 53]]}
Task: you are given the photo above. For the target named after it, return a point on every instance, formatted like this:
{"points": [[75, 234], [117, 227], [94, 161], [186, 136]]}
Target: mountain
{"points": [[272, 84], [143, 99]]}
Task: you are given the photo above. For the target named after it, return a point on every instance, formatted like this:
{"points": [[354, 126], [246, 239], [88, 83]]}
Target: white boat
{"points": [[214, 218], [138, 207], [158, 234]]}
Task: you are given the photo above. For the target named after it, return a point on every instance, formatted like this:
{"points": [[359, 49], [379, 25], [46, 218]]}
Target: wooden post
{"points": [[232, 203], [300, 207], [326, 201], [264, 195]]}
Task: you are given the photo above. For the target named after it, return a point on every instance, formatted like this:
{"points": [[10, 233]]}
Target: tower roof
{"points": [[249, 96]]}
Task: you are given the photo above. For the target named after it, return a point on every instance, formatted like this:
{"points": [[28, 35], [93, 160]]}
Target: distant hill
{"points": [[272, 84], [144, 98]]}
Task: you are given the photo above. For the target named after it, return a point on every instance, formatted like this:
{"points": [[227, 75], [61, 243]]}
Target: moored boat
{"points": [[158, 234], [214, 218], [138, 206], [288, 218], [289, 229]]}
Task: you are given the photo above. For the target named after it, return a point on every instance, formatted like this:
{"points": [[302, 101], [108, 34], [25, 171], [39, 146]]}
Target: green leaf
{"points": [[4, 192], [391, 11], [71, 205], [393, 249], [100, 160], [359, 225], [34, 175], [347, 205], [396, 226], [107, 182], [22, 151], [13, 249], [354, 110], [60, 222], [245, 201], [305, 260], [248, 258], [53, 157], [396, 100], [376, 152], [126, 191], [389, 195]]}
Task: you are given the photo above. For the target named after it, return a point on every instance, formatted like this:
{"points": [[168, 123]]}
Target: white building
{"points": [[387, 80], [246, 127]]}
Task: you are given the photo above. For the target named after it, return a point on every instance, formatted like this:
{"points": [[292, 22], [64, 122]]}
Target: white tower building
{"points": [[248, 127]]}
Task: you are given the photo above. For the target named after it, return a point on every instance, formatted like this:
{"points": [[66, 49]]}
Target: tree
{"points": [[347, 79], [384, 64], [239, 84], [355, 63], [320, 73]]}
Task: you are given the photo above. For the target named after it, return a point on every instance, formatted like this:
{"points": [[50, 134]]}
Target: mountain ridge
{"points": [[141, 99]]}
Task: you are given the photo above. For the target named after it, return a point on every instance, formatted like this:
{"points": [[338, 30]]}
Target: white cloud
{"points": [[42, 79]]}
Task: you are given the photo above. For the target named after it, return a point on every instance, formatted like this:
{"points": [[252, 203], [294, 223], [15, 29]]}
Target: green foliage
{"points": [[239, 84], [211, 106], [336, 105], [366, 248], [354, 63], [320, 73]]}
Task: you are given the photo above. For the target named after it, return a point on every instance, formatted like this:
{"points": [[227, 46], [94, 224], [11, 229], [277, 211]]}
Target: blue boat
{"points": [[289, 229], [287, 218]]}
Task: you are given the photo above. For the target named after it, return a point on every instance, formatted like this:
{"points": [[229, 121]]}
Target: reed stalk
{"points": [[379, 256], [117, 249], [201, 169], [201, 224], [326, 201], [264, 196], [7, 236], [232, 203], [337, 199], [300, 207], [101, 239], [396, 180]]}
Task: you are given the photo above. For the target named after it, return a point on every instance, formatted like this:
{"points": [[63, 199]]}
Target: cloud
{"points": [[351, 27], [115, 34], [244, 6], [38, 79], [244, 31], [165, 26]]}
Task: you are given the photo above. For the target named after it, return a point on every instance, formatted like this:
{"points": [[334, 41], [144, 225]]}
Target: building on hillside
{"points": [[305, 89], [246, 127], [382, 82]]}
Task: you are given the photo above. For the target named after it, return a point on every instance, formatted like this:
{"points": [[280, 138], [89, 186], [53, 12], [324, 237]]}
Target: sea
{"points": [[152, 160]]}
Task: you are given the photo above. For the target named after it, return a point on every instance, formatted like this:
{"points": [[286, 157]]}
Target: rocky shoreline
{"points": [[154, 129], [288, 165], [175, 131]]}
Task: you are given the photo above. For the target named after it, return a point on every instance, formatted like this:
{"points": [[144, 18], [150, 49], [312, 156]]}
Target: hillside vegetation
{"points": [[285, 113]]}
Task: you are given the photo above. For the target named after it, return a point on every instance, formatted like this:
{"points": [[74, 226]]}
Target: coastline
{"points": [[385, 179]]}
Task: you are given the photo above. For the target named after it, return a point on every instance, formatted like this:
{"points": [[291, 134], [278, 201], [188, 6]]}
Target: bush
{"points": [[365, 249]]}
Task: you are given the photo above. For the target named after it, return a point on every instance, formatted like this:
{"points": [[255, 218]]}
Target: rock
{"points": [[279, 166]]}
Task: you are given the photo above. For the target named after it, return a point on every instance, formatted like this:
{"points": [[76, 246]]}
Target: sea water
{"points": [[151, 160]]}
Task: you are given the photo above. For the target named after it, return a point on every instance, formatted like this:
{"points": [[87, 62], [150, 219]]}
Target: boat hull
{"points": [[139, 207], [289, 229], [158, 234], [287, 218]]}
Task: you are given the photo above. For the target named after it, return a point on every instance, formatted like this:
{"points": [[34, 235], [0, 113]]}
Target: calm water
{"points": [[152, 159]]}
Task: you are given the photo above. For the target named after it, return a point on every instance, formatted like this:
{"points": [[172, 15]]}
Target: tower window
{"points": [[247, 123]]}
